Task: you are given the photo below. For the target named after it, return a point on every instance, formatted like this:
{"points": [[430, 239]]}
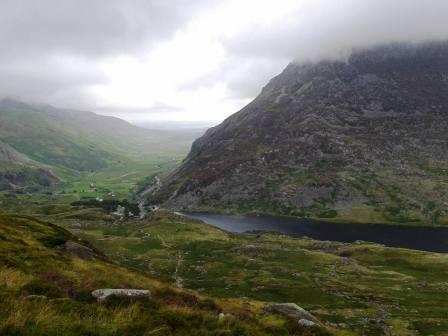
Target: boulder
{"points": [[224, 316], [290, 310], [104, 293], [306, 323]]}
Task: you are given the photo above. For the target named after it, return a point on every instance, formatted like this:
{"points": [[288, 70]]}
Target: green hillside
{"points": [[41, 145], [36, 134], [82, 141], [46, 290]]}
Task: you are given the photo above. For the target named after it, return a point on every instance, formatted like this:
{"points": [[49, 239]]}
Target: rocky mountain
{"points": [[363, 139]]}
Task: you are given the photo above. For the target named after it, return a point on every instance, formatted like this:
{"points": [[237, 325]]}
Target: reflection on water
{"points": [[413, 237]]}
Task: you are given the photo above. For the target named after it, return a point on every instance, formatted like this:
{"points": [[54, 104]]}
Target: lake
{"points": [[433, 239]]}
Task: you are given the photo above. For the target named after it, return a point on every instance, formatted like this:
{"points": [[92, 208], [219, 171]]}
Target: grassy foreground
{"points": [[44, 291], [366, 288]]}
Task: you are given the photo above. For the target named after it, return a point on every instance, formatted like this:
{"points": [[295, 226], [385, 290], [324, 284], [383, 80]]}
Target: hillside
{"points": [[40, 142], [18, 171], [76, 139], [47, 276], [360, 140]]}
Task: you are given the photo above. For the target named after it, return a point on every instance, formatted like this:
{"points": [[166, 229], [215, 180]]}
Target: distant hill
{"points": [[361, 140], [41, 136]]}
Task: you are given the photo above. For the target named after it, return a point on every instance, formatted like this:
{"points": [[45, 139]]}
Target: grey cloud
{"points": [[155, 109], [51, 48], [89, 28], [43, 40], [244, 76], [328, 29]]}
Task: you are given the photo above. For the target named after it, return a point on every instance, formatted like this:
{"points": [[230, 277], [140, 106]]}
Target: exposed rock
{"points": [[368, 133], [290, 310], [224, 316], [120, 212], [306, 323], [103, 294]]}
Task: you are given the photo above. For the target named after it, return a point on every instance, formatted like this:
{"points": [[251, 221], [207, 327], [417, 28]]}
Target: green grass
{"points": [[46, 292], [350, 283]]}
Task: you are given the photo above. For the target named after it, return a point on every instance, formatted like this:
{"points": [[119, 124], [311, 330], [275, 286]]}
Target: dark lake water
{"points": [[432, 239]]}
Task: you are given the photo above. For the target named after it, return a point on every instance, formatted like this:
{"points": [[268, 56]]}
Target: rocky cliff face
{"points": [[364, 140]]}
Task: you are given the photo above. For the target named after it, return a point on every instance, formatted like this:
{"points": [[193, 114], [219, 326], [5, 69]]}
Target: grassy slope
{"points": [[37, 135], [84, 141], [30, 264], [368, 287]]}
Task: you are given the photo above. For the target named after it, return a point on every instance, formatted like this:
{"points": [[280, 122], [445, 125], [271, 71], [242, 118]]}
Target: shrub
{"points": [[40, 287], [179, 299]]}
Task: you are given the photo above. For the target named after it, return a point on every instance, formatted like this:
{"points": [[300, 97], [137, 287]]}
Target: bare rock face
{"points": [[324, 139], [103, 294], [306, 323], [292, 311]]}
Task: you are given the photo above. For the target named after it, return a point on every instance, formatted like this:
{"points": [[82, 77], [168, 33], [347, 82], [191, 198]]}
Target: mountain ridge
{"points": [[363, 138]]}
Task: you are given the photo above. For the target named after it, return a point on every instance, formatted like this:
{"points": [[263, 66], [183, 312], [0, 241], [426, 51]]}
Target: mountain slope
{"points": [[19, 171], [37, 134], [37, 140], [79, 140], [363, 139]]}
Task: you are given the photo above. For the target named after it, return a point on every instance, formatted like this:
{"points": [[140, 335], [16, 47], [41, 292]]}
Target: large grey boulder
{"points": [[306, 323], [290, 310], [104, 293]]}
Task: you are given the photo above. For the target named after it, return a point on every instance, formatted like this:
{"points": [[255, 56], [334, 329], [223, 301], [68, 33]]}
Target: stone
{"points": [[306, 323], [104, 293], [224, 316], [290, 310]]}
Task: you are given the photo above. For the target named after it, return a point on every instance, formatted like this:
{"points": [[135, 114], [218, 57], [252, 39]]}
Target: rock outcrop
{"points": [[105, 293], [292, 311], [366, 136]]}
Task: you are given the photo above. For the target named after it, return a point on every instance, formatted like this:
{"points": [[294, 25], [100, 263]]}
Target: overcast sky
{"points": [[186, 59]]}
